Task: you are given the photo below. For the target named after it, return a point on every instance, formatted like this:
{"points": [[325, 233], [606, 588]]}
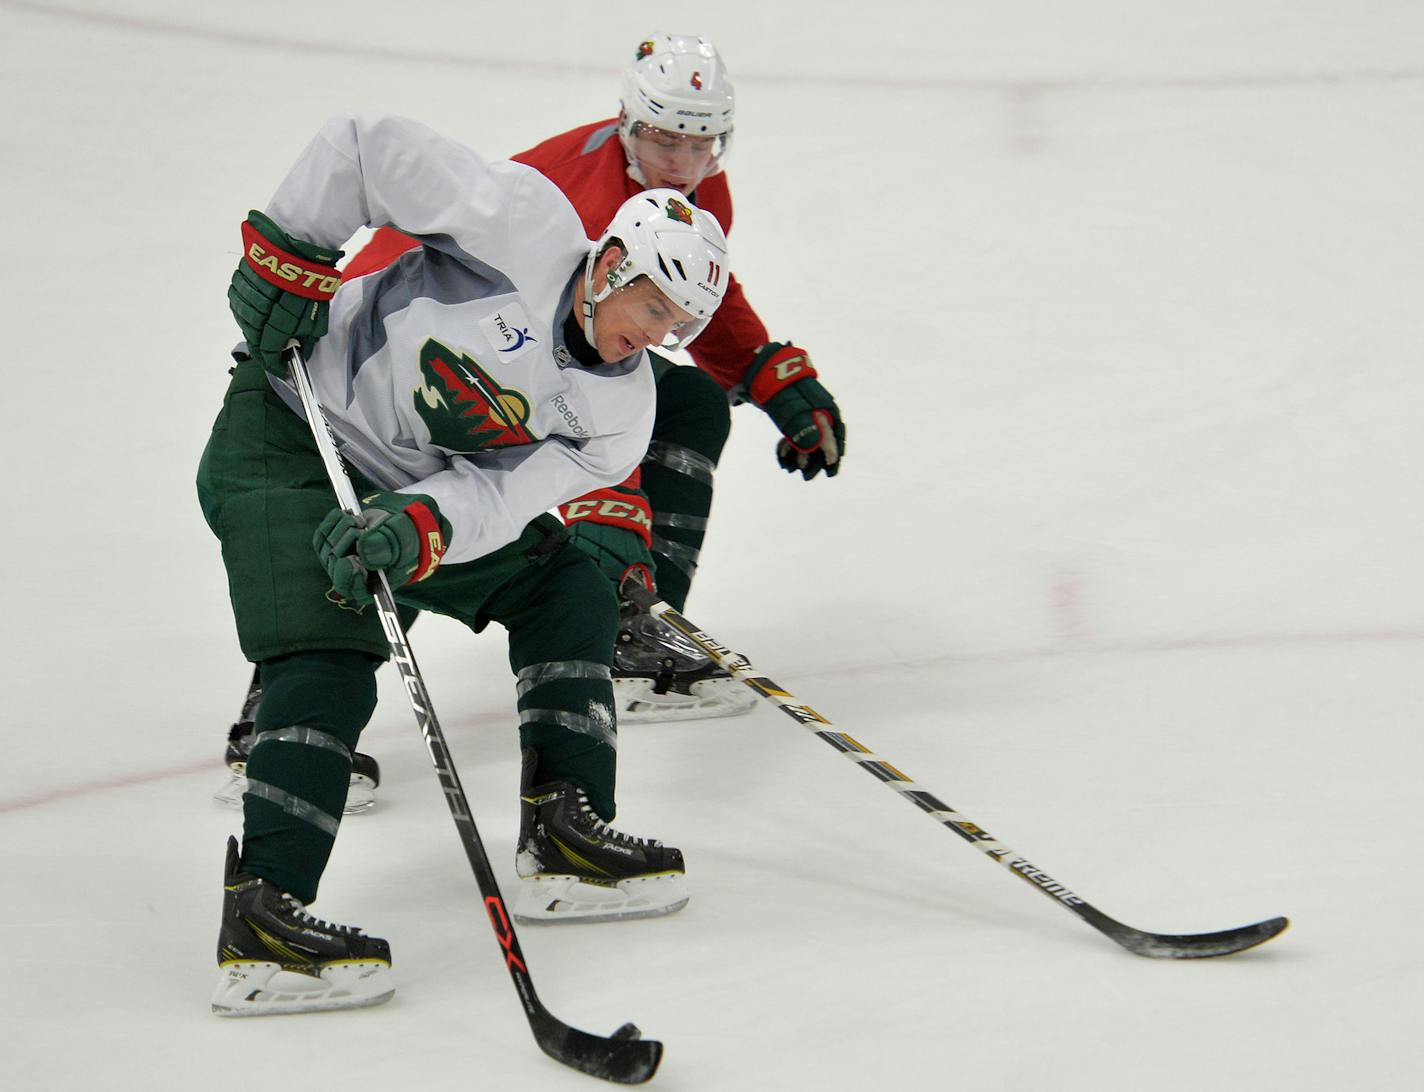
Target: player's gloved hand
{"points": [[783, 382], [614, 526], [401, 534], [282, 290]]}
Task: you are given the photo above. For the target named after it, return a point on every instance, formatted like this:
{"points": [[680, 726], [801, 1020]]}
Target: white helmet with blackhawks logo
{"points": [[677, 246], [677, 84]]}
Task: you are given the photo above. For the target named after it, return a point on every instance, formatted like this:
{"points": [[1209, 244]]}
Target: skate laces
{"points": [[306, 917], [612, 834]]}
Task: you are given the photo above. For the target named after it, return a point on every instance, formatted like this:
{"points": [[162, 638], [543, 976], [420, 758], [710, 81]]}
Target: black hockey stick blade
{"points": [[623, 1057], [1186, 945]]}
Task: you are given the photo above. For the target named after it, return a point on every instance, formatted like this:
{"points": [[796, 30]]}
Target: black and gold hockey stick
{"points": [[1137, 941]]}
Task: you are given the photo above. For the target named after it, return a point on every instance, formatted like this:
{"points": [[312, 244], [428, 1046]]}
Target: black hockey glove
{"points": [[783, 382], [281, 291]]}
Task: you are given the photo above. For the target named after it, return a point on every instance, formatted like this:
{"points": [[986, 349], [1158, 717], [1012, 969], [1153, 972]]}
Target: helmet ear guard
{"points": [[679, 247], [611, 277], [622, 274]]}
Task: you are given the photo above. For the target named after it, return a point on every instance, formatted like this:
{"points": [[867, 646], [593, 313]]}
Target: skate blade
{"points": [[263, 989], [638, 703], [360, 795], [551, 899], [230, 795]]}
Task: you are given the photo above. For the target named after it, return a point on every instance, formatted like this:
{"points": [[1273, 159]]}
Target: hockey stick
{"points": [[1137, 941], [624, 1056]]}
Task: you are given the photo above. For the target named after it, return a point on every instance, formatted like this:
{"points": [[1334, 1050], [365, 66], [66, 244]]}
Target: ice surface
{"points": [[1122, 304]]}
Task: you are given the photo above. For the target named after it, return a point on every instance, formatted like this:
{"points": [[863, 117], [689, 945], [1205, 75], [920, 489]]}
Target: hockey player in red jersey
{"points": [[673, 130]]}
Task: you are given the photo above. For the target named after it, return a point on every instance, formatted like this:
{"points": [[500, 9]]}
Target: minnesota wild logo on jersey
{"points": [[463, 407]]}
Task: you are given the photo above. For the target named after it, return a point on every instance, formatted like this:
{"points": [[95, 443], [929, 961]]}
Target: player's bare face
{"points": [[674, 161], [636, 317]]}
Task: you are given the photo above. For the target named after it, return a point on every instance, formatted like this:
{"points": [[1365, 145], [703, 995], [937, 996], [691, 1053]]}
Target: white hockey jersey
{"points": [[447, 372]]}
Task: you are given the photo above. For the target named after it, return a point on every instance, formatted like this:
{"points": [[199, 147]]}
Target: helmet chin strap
{"points": [[635, 172], [625, 138], [592, 298], [588, 301]]}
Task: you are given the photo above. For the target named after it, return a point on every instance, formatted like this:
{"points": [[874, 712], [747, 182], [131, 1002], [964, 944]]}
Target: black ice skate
{"points": [[660, 675], [575, 867], [274, 957], [365, 770]]}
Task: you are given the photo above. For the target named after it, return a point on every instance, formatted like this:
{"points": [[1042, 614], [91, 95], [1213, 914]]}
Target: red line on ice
{"points": [[51, 796], [1055, 651]]}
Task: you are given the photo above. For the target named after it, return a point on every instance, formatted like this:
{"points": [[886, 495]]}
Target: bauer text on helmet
{"points": [[677, 106], [670, 244]]}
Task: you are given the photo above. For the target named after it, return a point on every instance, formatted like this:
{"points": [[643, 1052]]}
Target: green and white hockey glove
{"points": [[614, 526], [400, 534], [281, 291], [783, 382]]}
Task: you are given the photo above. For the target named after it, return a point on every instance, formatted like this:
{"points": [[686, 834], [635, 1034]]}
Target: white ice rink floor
{"points": [[1121, 302]]}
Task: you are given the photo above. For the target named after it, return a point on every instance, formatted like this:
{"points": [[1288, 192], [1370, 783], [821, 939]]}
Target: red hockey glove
{"points": [[614, 526], [783, 382], [281, 291]]}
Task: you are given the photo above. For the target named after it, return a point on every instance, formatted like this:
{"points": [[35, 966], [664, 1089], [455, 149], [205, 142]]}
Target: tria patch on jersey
{"points": [[463, 407], [508, 331]]}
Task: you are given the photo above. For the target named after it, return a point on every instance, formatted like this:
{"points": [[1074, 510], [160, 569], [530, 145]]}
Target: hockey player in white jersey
{"points": [[674, 128], [473, 385]]}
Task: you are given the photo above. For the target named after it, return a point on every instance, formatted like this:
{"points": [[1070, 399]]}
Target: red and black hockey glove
{"points": [[401, 534], [614, 526], [783, 382], [281, 291]]}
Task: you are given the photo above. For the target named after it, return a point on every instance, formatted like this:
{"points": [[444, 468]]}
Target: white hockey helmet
{"points": [[678, 84], [677, 246]]}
